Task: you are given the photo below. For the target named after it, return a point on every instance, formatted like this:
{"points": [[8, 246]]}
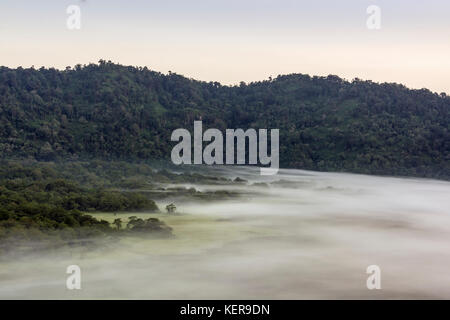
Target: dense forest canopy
{"points": [[111, 111]]}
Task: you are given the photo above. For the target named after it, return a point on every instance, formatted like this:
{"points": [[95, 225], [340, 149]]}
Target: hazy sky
{"points": [[231, 41]]}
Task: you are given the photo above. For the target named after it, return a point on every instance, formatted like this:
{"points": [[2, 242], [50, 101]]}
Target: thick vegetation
{"points": [[37, 202], [55, 203], [111, 111]]}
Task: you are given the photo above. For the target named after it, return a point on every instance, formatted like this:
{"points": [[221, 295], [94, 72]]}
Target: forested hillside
{"points": [[111, 111]]}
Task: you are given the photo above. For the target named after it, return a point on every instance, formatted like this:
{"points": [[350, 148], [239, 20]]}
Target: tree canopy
{"points": [[111, 111]]}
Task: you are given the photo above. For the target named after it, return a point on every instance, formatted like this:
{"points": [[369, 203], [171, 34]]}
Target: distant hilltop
{"points": [[111, 111]]}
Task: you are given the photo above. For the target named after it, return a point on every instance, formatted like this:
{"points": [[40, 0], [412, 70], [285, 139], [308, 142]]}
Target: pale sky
{"points": [[231, 41]]}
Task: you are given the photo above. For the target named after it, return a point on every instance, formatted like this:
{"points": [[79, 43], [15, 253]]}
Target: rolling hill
{"points": [[110, 111]]}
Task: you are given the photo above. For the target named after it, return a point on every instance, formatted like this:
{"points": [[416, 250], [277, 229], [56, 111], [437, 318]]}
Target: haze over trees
{"points": [[111, 111], [57, 203]]}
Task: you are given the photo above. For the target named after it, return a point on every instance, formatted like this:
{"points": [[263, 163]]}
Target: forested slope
{"points": [[111, 111]]}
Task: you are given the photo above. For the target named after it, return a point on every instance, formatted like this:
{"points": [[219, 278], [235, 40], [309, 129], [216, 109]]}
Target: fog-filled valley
{"points": [[298, 234]]}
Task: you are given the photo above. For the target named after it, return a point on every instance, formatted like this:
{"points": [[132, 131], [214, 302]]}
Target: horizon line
{"points": [[237, 84]]}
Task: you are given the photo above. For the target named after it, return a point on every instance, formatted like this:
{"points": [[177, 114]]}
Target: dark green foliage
{"points": [[171, 208], [36, 203], [152, 225], [326, 123], [118, 223]]}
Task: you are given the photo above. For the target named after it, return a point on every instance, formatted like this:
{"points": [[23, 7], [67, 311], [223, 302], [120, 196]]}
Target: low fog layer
{"points": [[303, 235]]}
